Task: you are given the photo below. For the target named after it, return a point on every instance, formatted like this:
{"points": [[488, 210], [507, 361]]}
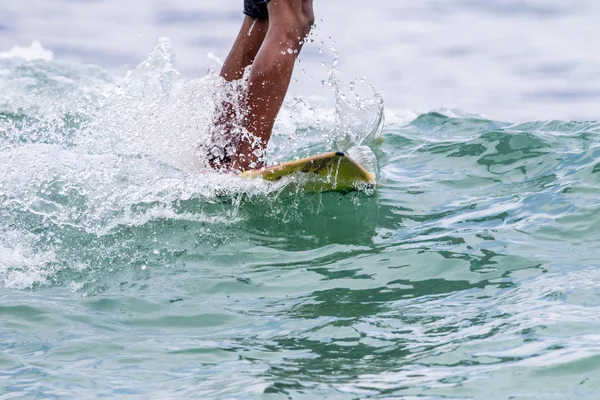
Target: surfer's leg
{"points": [[242, 54], [290, 22], [244, 49]]}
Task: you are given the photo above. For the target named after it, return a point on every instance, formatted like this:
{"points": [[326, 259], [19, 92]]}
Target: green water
{"points": [[126, 271]]}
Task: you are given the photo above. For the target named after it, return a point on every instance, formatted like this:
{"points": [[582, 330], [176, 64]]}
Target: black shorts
{"points": [[256, 9]]}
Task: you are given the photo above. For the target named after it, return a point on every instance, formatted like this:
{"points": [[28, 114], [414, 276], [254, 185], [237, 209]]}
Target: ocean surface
{"points": [[128, 270]]}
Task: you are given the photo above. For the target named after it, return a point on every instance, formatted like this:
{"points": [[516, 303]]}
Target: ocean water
{"points": [[128, 270]]}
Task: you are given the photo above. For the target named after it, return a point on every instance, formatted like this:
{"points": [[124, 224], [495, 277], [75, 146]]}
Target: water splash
{"points": [[85, 154], [359, 117]]}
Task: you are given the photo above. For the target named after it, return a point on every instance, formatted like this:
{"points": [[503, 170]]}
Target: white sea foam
{"points": [[22, 265], [34, 52]]}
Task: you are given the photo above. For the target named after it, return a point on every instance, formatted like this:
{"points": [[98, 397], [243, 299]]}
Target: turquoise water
{"points": [[126, 270]]}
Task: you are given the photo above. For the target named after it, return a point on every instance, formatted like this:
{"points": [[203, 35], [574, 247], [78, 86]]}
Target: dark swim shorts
{"points": [[256, 8]]}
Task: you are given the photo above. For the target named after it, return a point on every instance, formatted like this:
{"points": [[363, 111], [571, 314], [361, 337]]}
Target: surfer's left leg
{"points": [[244, 49], [249, 39]]}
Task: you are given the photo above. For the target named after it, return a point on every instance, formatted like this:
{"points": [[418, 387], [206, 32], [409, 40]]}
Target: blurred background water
{"points": [[507, 59], [129, 271]]}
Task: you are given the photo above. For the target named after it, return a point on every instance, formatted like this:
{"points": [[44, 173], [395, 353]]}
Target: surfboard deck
{"points": [[333, 171]]}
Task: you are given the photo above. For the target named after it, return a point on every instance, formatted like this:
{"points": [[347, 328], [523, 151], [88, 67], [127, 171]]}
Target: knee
{"points": [[306, 17], [297, 18]]}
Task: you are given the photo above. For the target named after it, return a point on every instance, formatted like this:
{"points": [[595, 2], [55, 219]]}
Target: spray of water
{"points": [[84, 153]]}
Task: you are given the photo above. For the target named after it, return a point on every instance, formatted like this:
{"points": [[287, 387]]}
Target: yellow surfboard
{"points": [[333, 171]]}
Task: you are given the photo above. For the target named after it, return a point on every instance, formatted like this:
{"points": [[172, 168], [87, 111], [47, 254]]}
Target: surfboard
{"points": [[334, 171]]}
